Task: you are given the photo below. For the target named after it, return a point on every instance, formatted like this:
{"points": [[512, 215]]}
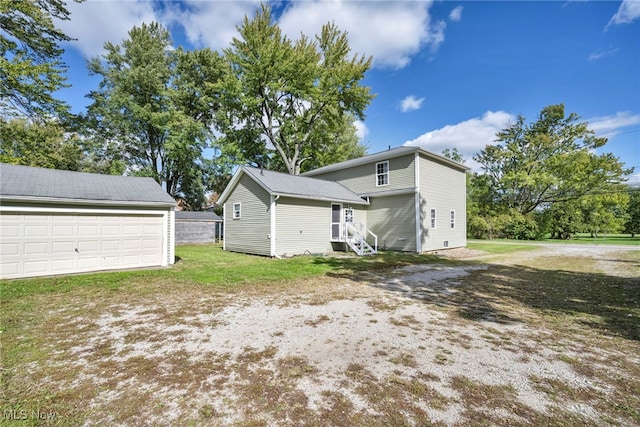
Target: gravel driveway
{"points": [[348, 352]]}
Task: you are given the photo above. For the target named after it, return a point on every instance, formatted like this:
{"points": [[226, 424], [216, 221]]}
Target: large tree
{"points": [[155, 108], [287, 103], [45, 145], [31, 69], [633, 211], [551, 160]]}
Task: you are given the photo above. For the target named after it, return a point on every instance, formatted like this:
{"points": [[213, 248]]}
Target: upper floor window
{"points": [[453, 219], [236, 211], [382, 173], [433, 218]]}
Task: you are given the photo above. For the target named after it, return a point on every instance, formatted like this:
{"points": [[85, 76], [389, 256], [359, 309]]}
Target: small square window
{"points": [[236, 211], [433, 218], [382, 173]]}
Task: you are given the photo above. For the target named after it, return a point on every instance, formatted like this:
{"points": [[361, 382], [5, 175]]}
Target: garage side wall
{"points": [[251, 232]]}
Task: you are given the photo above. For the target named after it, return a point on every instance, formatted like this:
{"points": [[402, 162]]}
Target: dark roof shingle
{"points": [[304, 187], [39, 184]]}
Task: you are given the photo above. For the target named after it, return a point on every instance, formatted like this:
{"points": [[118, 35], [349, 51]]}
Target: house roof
{"points": [[282, 184], [197, 216], [25, 183], [385, 155]]}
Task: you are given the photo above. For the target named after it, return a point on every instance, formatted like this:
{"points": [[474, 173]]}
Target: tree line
{"points": [[546, 178], [185, 117]]}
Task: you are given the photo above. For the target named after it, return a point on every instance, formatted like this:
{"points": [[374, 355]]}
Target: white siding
{"points": [[392, 218], [64, 241], [362, 179], [251, 232], [443, 189], [304, 226]]}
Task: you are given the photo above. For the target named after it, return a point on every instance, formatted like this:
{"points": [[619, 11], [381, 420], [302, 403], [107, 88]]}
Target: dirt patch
{"points": [[400, 350]]}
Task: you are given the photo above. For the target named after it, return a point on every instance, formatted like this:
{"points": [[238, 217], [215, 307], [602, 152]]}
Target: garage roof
{"points": [[197, 216], [25, 183]]}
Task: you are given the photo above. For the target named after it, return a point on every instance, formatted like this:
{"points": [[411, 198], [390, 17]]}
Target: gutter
{"points": [[85, 202]]}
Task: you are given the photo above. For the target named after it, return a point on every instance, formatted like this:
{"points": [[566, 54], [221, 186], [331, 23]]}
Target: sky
{"points": [[446, 74]]}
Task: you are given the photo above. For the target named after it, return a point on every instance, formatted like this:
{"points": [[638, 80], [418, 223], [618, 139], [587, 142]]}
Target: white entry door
{"points": [[45, 244]]}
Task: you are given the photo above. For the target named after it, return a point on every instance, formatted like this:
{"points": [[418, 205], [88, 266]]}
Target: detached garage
{"points": [[61, 222]]}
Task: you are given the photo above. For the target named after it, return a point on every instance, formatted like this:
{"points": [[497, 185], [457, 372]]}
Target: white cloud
{"points": [[602, 53], [206, 24], [410, 103], [468, 137], [93, 23], [456, 14], [608, 126], [392, 32], [361, 129], [209, 23], [628, 12]]}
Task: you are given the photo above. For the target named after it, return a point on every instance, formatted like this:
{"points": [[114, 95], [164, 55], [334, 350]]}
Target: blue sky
{"points": [[447, 74]]}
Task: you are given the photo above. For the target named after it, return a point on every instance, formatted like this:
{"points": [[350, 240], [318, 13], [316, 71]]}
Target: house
{"points": [[60, 222], [197, 227], [404, 199]]}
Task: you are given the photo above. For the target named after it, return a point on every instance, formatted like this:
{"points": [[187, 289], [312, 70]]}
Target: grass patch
{"points": [[500, 247], [603, 239]]}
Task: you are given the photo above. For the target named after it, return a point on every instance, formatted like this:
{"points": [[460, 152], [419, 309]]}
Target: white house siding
{"points": [[443, 189], [251, 232], [392, 218], [362, 179], [302, 225]]}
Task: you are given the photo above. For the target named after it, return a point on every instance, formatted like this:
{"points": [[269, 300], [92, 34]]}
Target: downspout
{"points": [[416, 172], [224, 218], [272, 235]]}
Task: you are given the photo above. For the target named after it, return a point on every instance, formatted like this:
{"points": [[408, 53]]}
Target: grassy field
{"points": [[571, 312], [581, 238]]}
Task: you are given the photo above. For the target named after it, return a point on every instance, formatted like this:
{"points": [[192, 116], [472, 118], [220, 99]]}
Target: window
{"points": [[348, 215], [453, 219], [236, 211], [382, 173], [433, 218]]}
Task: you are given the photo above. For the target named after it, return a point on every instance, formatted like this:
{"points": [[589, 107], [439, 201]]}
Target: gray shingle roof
{"points": [[302, 187], [197, 216], [48, 185], [384, 155]]}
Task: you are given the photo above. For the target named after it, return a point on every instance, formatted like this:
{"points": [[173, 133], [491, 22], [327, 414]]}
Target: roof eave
{"points": [[84, 202], [324, 199]]}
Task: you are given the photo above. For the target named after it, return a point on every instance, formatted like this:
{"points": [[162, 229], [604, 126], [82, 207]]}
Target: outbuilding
{"points": [[197, 227], [62, 222]]}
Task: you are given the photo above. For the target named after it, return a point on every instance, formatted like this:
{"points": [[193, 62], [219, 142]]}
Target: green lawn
{"points": [[604, 239], [211, 266]]}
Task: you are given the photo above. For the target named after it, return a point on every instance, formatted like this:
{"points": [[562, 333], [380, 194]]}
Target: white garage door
{"points": [[36, 245]]}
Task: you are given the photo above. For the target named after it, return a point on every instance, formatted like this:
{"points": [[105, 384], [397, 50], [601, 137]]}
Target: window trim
{"points": [[238, 211], [432, 218], [385, 174], [452, 219]]}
